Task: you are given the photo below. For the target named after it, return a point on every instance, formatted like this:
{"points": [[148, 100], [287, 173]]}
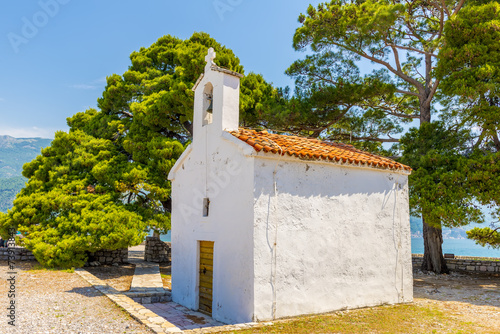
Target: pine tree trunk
{"points": [[433, 237], [433, 251]]}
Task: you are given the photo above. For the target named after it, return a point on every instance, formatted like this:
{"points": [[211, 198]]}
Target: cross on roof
{"points": [[210, 57]]}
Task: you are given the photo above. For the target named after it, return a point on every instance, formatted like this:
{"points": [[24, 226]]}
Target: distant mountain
{"points": [[416, 227], [14, 153], [8, 191]]}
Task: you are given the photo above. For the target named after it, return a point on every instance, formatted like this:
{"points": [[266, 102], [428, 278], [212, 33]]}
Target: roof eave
{"points": [[179, 162], [340, 163], [197, 82], [247, 149]]}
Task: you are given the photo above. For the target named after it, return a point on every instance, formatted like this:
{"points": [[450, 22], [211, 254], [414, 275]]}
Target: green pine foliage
{"points": [[469, 67], [334, 101], [483, 176], [485, 236], [369, 109], [153, 97], [439, 184], [70, 205]]}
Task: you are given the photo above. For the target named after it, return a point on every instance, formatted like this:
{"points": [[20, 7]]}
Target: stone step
{"points": [[147, 285]]}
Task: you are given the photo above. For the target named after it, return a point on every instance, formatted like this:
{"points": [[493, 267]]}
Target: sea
{"points": [[166, 237], [463, 247]]}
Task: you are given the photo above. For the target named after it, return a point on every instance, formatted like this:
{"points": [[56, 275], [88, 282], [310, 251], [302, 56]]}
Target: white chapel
{"points": [[266, 226]]}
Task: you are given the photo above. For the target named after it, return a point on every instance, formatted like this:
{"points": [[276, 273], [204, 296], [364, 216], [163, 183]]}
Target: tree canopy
{"points": [[483, 173], [70, 205], [103, 184], [442, 194], [469, 68], [401, 41], [154, 94], [334, 101], [419, 52]]}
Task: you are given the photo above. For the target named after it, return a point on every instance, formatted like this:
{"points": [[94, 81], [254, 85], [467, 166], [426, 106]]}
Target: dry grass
{"points": [[166, 276], [35, 266], [457, 303], [410, 318]]}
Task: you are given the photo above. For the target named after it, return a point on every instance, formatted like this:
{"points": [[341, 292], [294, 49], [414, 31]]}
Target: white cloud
{"points": [[2, 99], [28, 132]]}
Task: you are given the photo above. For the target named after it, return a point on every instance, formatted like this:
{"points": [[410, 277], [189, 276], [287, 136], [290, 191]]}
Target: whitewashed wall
{"points": [[215, 167], [342, 238], [229, 225]]}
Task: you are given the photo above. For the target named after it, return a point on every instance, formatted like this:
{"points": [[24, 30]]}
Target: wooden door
{"points": [[206, 275]]}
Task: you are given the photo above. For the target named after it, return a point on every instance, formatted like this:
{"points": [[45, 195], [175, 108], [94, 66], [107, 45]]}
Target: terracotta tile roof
{"points": [[313, 149]]}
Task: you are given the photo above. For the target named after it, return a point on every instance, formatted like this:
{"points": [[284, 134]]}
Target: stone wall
{"points": [[19, 253], [108, 257], [465, 264], [157, 251]]}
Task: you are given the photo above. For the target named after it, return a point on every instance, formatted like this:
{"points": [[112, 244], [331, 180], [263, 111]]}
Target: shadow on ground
{"points": [[112, 272], [472, 288], [85, 291], [181, 316]]}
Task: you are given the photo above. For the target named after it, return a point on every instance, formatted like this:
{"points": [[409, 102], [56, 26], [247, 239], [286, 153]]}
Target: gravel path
{"points": [[60, 302]]}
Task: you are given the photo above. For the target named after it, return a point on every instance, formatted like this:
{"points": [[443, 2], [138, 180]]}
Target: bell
{"points": [[211, 105]]}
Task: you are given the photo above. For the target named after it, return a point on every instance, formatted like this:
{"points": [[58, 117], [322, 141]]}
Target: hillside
{"points": [[8, 191], [448, 233], [14, 153]]}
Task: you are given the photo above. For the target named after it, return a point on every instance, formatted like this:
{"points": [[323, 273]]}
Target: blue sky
{"points": [[56, 54]]}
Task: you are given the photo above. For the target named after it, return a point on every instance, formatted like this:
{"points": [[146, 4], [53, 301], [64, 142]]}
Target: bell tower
{"points": [[216, 100]]}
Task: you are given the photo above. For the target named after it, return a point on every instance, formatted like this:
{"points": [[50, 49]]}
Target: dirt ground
{"points": [[472, 297]]}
